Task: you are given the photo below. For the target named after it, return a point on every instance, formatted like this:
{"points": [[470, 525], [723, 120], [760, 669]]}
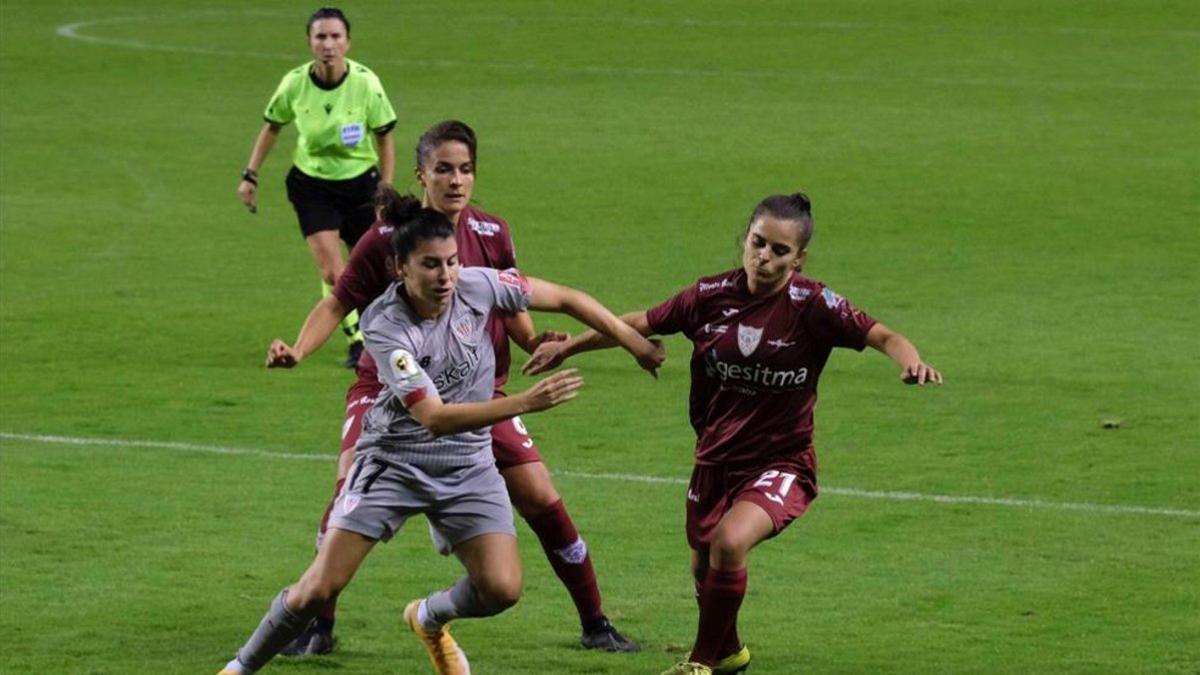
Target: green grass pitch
{"points": [[1012, 184]]}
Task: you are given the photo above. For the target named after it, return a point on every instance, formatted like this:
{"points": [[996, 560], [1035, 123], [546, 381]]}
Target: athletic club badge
{"points": [[349, 503], [748, 337], [463, 328]]}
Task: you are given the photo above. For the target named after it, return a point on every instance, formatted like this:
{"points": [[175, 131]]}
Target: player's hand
{"points": [[548, 356], [554, 390], [920, 373], [248, 193], [650, 356], [281, 355]]}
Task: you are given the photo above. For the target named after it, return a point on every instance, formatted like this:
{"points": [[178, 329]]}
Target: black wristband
{"points": [[250, 176]]}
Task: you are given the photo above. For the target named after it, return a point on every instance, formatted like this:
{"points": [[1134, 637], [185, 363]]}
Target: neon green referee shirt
{"points": [[335, 123]]}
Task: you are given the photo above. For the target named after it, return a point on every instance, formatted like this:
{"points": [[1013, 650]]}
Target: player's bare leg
{"points": [[492, 585], [318, 637], [533, 495], [723, 586], [295, 606]]}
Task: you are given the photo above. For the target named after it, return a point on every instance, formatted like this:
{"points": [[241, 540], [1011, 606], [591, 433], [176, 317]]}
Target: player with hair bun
{"points": [[445, 167], [761, 335], [426, 445]]}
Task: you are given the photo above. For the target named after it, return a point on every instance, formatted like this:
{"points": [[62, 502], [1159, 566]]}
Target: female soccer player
{"points": [[761, 336], [425, 445], [445, 168], [335, 102]]}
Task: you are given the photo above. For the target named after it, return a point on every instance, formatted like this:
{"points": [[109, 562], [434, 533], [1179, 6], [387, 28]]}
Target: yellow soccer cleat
{"points": [[447, 657], [688, 668], [736, 662]]}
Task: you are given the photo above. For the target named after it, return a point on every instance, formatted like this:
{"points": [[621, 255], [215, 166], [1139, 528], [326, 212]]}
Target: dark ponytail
{"points": [[795, 207], [413, 223]]}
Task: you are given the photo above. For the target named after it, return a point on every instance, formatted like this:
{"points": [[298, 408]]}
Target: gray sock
{"points": [[279, 627], [460, 601]]}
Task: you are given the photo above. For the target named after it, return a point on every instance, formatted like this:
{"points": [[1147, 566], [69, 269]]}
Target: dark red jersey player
{"points": [[446, 170], [761, 336]]}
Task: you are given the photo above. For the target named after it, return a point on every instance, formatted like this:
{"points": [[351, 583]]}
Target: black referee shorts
{"points": [[347, 206]]}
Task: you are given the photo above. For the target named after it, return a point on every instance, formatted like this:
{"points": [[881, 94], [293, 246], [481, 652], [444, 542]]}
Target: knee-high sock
{"points": [[460, 601], [720, 599], [329, 609], [350, 323], [732, 642], [279, 627], [568, 555]]}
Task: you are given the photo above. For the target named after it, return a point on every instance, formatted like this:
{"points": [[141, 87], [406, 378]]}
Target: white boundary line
{"points": [[626, 477], [72, 31]]}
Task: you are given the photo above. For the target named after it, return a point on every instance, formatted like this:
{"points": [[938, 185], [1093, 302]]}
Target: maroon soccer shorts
{"points": [[782, 486], [511, 443]]}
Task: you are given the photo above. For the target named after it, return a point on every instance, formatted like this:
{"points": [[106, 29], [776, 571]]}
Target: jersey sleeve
{"points": [[677, 314], [485, 289], [399, 370], [366, 274], [279, 109], [381, 117], [838, 321]]}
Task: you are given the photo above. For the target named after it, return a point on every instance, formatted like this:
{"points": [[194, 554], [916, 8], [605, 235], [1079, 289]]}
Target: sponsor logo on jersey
{"points": [[719, 330], [748, 337], [457, 372], [831, 299], [714, 286], [799, 293], [754, 374], [780, 344], [484, 227], [729, 312], [352, 134], [404, 365]]}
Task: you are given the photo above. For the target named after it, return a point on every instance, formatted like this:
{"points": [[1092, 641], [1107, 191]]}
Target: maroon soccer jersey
{"points": [[483, 241], [756, 361]]}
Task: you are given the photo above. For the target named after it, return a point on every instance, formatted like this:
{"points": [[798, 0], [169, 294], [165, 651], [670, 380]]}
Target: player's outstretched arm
{"points": [[317, 328], [899, 349], [551, 297], [550, 355], [450, 418], [519, 327]]}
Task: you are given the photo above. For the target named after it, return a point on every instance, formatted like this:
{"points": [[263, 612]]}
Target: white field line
{"points": [[73, 31], [628, 477]]}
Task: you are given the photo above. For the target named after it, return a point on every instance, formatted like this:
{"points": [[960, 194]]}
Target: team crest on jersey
{"points": [[798, 293], [832, 299], [350, 502], [463, 328], [748, 338]]}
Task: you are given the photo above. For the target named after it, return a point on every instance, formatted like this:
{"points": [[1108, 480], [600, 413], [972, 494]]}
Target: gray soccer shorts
{"points": [[380, 495]]}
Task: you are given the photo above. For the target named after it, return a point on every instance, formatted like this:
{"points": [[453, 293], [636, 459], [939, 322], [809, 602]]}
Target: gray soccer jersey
{"points": [[451, 356]]}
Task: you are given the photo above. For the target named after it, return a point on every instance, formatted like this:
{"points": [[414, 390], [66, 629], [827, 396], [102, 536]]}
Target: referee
{"points": [[337, 168]]}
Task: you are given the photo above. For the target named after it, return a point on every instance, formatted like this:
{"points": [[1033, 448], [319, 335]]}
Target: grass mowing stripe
{"points": [[72, 31], [638, 478]]}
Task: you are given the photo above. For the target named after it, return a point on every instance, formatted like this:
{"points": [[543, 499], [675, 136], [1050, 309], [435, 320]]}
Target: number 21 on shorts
{"points": [[767, 481]]}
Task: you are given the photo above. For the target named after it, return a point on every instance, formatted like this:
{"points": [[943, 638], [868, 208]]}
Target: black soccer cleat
{"points": [[317, 639], [352, 354], [602, 635]]}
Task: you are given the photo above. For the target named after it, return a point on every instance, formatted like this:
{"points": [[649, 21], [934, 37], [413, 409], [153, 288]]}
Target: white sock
{"points": [[237, 667]]}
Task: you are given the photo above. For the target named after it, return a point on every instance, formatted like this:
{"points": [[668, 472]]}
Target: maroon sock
{"points": [[720, 599], [569, 557], [732, 642], [330, 608]]}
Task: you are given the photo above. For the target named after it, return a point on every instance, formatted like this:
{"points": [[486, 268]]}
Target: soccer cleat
{"points": [[355, 350], [447, 657], [603, 636], [688, 668], [317, 639], [736, 662]]}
